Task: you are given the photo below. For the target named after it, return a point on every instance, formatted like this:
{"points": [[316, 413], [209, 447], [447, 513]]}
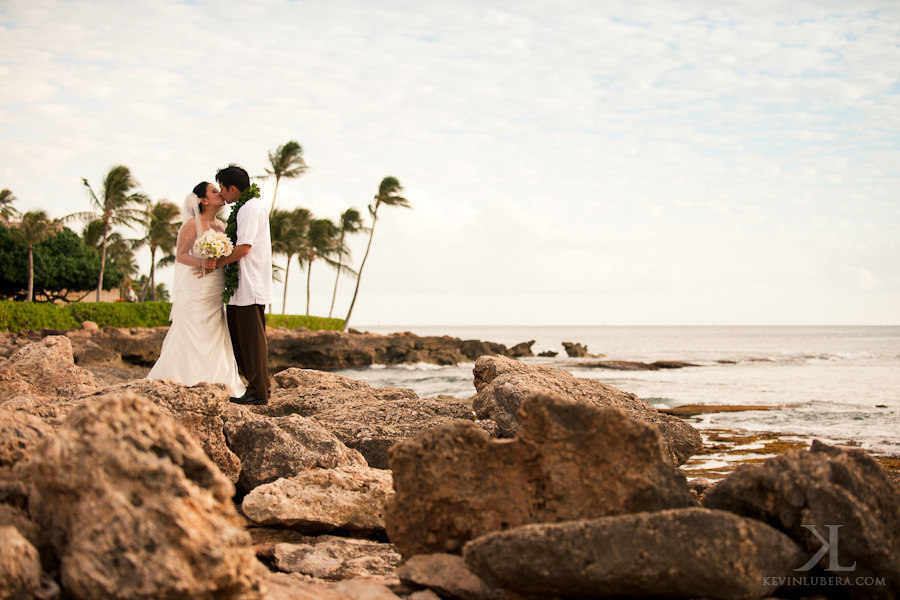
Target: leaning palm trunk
{"points": [[338, 276], [153, 273], [102, 265], [287, 270], [30, 296], [308, 282], [274, 194], [359, 275]]}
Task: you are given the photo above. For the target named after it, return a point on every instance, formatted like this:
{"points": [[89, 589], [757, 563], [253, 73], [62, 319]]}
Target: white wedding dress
{"points": [[197, 347]]}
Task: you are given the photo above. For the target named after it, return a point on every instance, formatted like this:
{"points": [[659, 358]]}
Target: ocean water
{"points": [[838, 384]]}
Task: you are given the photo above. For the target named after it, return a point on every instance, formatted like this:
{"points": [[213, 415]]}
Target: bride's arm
{"points": [[186, 237]]}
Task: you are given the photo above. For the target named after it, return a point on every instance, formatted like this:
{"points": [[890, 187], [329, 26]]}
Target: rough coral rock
{"points": [[690, 553], [504, 383], [349, 498], [135, 509], [569, 461], [827, 496]]}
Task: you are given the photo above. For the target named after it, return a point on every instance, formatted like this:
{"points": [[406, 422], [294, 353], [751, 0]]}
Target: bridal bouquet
{"points": [[212, 244]]}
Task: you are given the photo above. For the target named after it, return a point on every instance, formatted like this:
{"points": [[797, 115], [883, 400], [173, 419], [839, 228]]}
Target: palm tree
{"points": [[35, 227], [286, 161], [119, 251], [320, 243], [388, 191], [162, 234], [289, 235], [351, 222], [117, 205], [7, 211]]}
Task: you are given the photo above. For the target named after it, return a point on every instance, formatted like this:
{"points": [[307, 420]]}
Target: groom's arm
{"points": [[237, 254]]}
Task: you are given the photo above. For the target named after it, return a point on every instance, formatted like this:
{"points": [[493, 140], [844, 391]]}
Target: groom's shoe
{"points": [[248, 400]]}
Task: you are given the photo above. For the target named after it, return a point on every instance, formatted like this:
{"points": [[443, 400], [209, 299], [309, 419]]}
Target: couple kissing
{"points": [[209, 342]]}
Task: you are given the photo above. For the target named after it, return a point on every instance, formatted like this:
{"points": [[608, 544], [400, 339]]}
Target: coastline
{"points": [[117, 356], [723, 451]]}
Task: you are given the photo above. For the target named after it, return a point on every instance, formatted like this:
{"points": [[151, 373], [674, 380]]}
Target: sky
{"points": [[633, 162]]}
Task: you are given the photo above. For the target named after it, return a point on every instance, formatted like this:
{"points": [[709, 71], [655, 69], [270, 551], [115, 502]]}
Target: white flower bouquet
{"points": [[212, 244]]}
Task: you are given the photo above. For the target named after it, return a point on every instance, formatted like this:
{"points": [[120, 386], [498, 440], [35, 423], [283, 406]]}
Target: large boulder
{"points": [[201, 409], [272, 448], [135, 509], [827, 497], [350, 498], [45, 369], [364, 417], [503, 383], [569, 461], [690, 553]]}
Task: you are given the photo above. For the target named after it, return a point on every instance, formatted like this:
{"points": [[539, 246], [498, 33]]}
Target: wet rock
{"points": [[691, 553], [569, 461], [521, 350], [576, 350], [135, 509], [350, 498], [330, 350], [448, 575], [335, 558], [503, 383], [826, 496], [45, 369], [270, 449], [20, 566]]}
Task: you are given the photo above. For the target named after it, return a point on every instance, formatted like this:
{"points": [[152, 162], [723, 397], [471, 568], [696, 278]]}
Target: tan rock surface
{"points": [[348, 498], [45, 369], [504, 383], [569, 461], [135, 508]]}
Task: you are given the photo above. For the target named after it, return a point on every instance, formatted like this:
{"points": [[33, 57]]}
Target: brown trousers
{"points": [[247, 326]]}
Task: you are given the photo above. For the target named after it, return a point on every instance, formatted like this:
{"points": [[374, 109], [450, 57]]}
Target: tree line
{"points": [[64, 261]]}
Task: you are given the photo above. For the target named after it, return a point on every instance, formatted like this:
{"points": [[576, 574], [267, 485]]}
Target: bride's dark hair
{"points": [[200, 192]]}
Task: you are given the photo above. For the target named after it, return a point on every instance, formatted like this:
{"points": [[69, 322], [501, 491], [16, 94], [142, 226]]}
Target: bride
{"points": [[198, 347]]}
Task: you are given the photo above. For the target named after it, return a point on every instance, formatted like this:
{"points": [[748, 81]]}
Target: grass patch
{"points": [[297, 321], [31, 316]]}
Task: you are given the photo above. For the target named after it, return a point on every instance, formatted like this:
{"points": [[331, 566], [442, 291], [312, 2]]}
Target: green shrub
{"points": [[121, 314], [295, 321], [25, 316]]}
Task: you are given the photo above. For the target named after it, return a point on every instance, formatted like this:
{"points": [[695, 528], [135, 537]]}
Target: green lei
{"points": [[231, 270]]}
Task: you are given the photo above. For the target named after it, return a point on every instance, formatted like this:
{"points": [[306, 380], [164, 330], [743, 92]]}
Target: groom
{"points": [[246, 309]]}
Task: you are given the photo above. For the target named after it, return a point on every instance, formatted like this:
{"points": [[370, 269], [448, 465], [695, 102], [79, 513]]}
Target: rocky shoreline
{"points": [[123, 347], [546, 486]]}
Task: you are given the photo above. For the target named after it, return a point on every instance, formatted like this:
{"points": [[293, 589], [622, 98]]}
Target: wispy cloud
{"points": [[549, 148]]}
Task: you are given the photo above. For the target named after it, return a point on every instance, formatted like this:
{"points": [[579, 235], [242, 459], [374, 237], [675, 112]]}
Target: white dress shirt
{"points": [[255, 269]]}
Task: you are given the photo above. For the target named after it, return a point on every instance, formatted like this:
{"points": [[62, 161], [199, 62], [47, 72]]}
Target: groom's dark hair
{"points": [[233, 175]]}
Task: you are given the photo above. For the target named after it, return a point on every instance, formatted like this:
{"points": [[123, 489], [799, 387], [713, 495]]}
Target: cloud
{"points": [[548, 148]]}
